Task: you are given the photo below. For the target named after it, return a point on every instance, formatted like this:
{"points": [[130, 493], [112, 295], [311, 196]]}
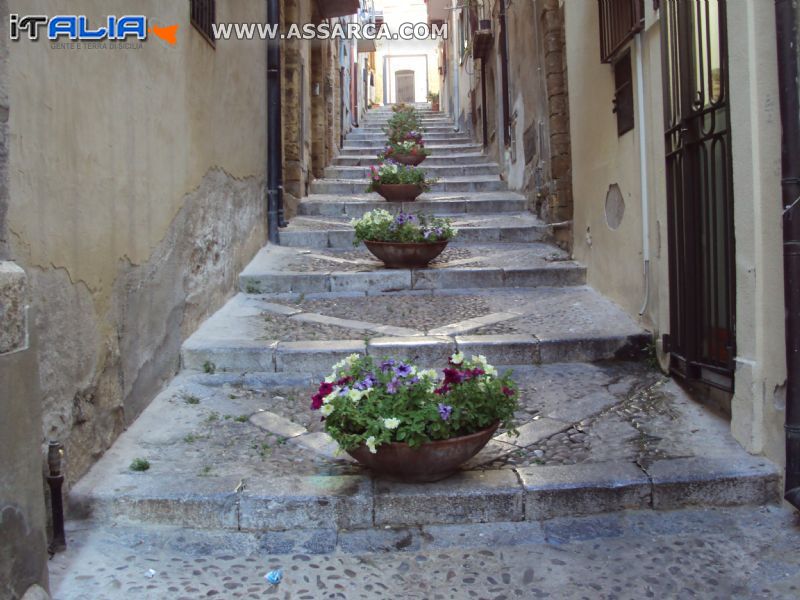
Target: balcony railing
{"points": [[620, 20]]}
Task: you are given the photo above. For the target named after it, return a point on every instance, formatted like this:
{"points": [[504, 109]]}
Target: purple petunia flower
{"points": [[392, 386], [413, 380], [368, 382], [402, 370], [445, 411], [344, 391], [387, 364]]}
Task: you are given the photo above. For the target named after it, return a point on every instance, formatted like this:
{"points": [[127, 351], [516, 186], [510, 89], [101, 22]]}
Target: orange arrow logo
{"points": [[168, 34]]}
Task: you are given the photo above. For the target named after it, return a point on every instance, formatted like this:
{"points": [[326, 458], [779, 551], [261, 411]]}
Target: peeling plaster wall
{"points": [[23, 540], [136, 198]]}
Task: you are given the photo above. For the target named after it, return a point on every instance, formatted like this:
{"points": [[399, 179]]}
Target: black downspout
{"points": [[504, 72], [787, 38], [274, 149]]}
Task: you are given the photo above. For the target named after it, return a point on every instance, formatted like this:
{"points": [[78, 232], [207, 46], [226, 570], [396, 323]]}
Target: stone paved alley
{"points": [[241, 453], [582, 301]]}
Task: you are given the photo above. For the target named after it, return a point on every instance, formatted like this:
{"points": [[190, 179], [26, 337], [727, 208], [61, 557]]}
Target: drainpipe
{"points": [[274, 149], [786, 15], [456, 67], [643, 170]]}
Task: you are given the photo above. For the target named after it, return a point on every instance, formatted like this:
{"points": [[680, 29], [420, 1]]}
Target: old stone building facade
{"points": [[503, 76]]}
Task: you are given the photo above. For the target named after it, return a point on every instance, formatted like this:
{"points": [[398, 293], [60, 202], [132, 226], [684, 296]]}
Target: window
{"points": [[203, 16], [623, 94], [620, 20]]}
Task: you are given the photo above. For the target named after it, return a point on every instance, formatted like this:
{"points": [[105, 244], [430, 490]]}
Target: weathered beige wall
{"points": [[600, 158], [23, 540], [614, 258], [136, 197], [759, 402]]}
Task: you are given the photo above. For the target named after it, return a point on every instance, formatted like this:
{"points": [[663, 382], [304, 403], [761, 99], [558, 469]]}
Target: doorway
{"points": [[699, 191], [405, 86]]}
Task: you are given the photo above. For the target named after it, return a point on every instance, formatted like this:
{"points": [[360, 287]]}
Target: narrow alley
{"points": [[467, 299]]}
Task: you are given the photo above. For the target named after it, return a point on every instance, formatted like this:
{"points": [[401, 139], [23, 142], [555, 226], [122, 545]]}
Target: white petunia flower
{"points": [[391, 423], [326, 410], [329, 398], [356, 395], [370, 442], [457, 358]]}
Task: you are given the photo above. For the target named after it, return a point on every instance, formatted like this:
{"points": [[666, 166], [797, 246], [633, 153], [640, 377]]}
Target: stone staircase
{"points": [[525, 299], [233, 445]]}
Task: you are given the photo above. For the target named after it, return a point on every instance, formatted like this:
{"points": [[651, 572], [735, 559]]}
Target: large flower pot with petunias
{"points": [[403, 241], [396, 182], [412, 424]]}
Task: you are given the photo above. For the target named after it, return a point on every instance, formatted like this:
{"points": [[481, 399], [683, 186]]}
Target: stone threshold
{"points": [[357, 502]]}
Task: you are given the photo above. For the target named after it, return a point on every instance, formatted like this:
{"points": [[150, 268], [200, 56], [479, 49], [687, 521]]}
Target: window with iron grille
{"points": [[620, 20], [203, 17]]}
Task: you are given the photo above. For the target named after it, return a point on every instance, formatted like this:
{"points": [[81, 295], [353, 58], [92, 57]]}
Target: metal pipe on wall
{"points": [[786, 18]]}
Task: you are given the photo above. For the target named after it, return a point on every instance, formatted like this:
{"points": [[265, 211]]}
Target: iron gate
{"points": [[699, 190]]}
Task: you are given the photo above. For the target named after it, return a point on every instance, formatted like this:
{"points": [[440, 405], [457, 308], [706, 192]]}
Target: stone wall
{"points": [[537, 161], [23, 549], [136, 197]]}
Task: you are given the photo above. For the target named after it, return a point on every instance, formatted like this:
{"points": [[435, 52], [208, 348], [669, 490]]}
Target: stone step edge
{"points": [[559, 273], [451, 207], [359, 502], [201, 352]]}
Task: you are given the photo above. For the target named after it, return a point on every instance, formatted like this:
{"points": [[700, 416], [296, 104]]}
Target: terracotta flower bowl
{"points": [[429, 462], [400, 255], [399, 192], [411, 160]]}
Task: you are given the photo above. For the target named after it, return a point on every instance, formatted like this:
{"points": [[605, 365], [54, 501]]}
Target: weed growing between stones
{"points": [[209, 367], [139, 465], [192, 400]]}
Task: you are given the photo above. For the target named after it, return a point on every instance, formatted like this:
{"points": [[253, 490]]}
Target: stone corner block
{"points": [[583, 489], [702, 481], [13, 308], [425, 350], [314, 357], [362, 281], [298, 502], [466, 497], [512, 349]]}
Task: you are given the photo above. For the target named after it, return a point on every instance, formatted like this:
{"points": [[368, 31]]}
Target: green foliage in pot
{"points": [[381, 226], [392, 173]]}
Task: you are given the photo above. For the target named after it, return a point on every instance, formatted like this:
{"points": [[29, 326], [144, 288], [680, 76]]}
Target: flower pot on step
{"points": [[429, 462], [409, 159], [399, 192], [409, 255]]}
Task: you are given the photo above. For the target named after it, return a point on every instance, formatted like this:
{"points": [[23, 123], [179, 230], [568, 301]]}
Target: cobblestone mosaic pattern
{"points": [[417, 312], [278, 327], [725, 553]]}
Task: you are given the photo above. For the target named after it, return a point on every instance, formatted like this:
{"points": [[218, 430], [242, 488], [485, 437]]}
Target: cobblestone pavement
{"points": [[715, 553]]}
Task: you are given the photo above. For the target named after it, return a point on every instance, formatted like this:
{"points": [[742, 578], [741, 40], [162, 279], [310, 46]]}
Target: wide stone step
{"points": [[477, 183], [438, 159], [307, 333], [436, 149], [429, 138], [443, 127], [281, 269], [433, 170], [245, 454], [336, 232], [440, 204]]}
